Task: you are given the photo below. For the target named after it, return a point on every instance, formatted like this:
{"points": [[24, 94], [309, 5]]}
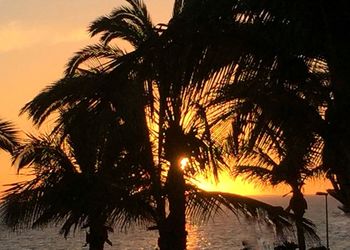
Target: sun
{"points": [[183, 163]]}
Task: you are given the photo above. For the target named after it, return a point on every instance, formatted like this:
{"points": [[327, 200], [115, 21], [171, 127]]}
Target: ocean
{"points": [[224, 231]]}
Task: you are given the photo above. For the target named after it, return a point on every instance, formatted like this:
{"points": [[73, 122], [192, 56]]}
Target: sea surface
{"points": [[225, 231]]}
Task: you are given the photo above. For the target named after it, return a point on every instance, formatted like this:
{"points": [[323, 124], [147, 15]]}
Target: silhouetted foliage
{"points": [[85, 175], [287, 246], [163, 103], [8, 136], [285, 54]]}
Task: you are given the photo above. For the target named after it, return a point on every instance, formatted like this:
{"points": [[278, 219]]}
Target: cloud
{"points": [[17, 36]]}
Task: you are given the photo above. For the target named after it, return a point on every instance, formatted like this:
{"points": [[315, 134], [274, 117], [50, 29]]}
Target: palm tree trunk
{"points": [[158, 187], [97, 236], [300, 233], [173, 233], [298, 205]]}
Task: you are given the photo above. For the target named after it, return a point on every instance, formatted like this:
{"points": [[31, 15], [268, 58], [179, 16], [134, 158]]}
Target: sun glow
{"points": [[226, 184], [183, 163]]}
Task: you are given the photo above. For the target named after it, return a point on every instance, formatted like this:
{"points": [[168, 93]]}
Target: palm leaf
{"points": [[203, 205], [98, 52], [8, 136], [130, 23]]}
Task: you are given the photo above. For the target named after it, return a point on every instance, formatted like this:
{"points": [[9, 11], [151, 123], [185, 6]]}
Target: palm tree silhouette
{"points": [[8, 136], [158, 94], [279, 159], [257, 37], [83, 177], [276, 130], [315, 34]]}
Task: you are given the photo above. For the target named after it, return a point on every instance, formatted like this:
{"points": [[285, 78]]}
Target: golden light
{"points": [[225, 184], [183, 163]]}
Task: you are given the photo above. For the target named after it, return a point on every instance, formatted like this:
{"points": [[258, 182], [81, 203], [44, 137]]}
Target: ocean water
{"points": [[224, 231]]}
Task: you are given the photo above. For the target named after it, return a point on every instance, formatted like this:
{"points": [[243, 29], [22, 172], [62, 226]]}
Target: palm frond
{"points": [[67, 91], [43, 153], [97, 52], [8, 136], [203, 205], [254, 173], [132, 24]]}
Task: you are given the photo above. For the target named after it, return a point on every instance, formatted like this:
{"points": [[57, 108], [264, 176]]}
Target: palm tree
{"points": [[251, 35], [168, 112], [279, 158], [272, 90], [8, 139], [271, 132], [322, 39], [133, 24], [83, 177]]}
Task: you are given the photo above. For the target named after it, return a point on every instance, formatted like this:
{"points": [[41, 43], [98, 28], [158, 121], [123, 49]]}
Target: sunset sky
{"points": [[37, 37]]}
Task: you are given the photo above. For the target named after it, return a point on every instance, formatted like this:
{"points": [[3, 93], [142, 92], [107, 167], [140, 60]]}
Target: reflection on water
{"points": [[197, 238], [224, 232]]}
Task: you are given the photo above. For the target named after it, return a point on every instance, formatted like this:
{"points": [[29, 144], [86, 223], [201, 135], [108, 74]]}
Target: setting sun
{"points": [[183, 163]]}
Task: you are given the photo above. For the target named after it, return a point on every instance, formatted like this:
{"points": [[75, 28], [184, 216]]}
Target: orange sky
{"points": [[37, 38]]}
